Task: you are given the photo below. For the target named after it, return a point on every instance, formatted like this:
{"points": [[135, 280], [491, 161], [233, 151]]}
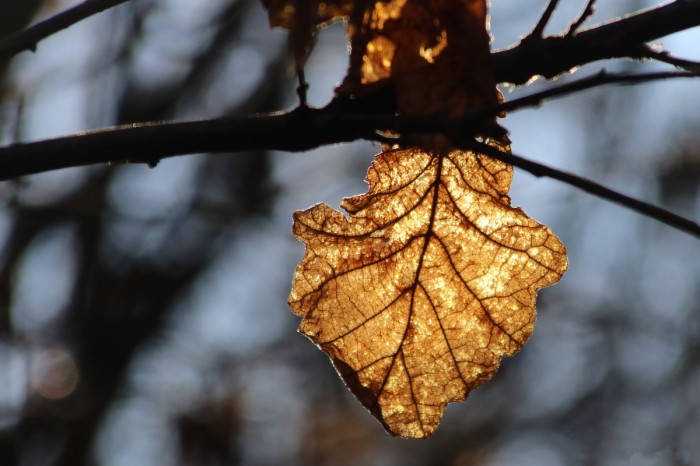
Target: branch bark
{"points": [[298, 130], [596, 189], [306, 128], [554, 55]]}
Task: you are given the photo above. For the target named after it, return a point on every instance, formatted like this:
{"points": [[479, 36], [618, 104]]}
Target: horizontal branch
{"points": [[299, 130], [554, 55], [591, 187], [534, 55], [304, 129], [30, 37], [601, 78]]}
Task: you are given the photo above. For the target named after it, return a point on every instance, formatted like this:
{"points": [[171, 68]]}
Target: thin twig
{"points": [[587, 13], [601, 78], [538, 30], [30, 37], [665, 57], [302, 87], [554, 55], [657, 213], [303, 129], [473, 122]]}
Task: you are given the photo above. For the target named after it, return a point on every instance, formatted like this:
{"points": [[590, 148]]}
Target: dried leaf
{"points": [[426, 286], [434, 54], [432, 279], [303, 17], [287, 13]]}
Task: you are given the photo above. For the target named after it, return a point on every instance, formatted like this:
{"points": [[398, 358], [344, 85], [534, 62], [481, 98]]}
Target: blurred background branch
{"points": [[28, 39]]}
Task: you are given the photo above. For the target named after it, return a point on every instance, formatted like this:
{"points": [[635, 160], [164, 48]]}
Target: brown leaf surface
{"points": [[303, 17], [426, 286], [288, 13], [434, 54]]}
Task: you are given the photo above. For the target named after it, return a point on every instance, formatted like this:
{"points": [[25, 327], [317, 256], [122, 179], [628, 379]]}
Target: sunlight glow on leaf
{"points": [[420, 320]]}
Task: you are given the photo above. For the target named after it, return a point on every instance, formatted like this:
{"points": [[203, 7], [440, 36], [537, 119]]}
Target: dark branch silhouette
{"points": [[533, 56], [538, 30], [597, 189], [303, 129], [554, 55], [29, 38], [306, 128], [585, 14], [665, 57]]}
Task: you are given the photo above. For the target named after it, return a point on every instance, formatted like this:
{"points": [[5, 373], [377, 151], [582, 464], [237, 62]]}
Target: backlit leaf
{"points": [[302, 17], [434, 54], [426, 286]]}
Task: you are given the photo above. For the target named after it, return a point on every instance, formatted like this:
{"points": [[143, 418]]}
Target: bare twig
{"points": [[644, 208], [29, 38], [665, 57], [207, 135], [601, 78], [299, 130], [306, 128], [538, 30], [587, 13], [303, 129], [553, 56]]}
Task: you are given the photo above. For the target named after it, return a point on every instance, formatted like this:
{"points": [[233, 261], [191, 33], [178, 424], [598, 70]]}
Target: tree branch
{"points": [[587, 13], [29, 38], [665, 57], [601, 78], [544, 19], [299, 130], [533, 56], [302, 129], [621, 38], [305, 128], [644, 208]]}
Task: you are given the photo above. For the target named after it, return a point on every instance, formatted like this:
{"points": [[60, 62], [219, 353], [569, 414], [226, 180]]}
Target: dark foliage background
{"points": [[142, 311]]}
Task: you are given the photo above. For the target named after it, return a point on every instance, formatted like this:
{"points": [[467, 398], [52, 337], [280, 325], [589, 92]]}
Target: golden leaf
{"points": [[426, 286]]}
